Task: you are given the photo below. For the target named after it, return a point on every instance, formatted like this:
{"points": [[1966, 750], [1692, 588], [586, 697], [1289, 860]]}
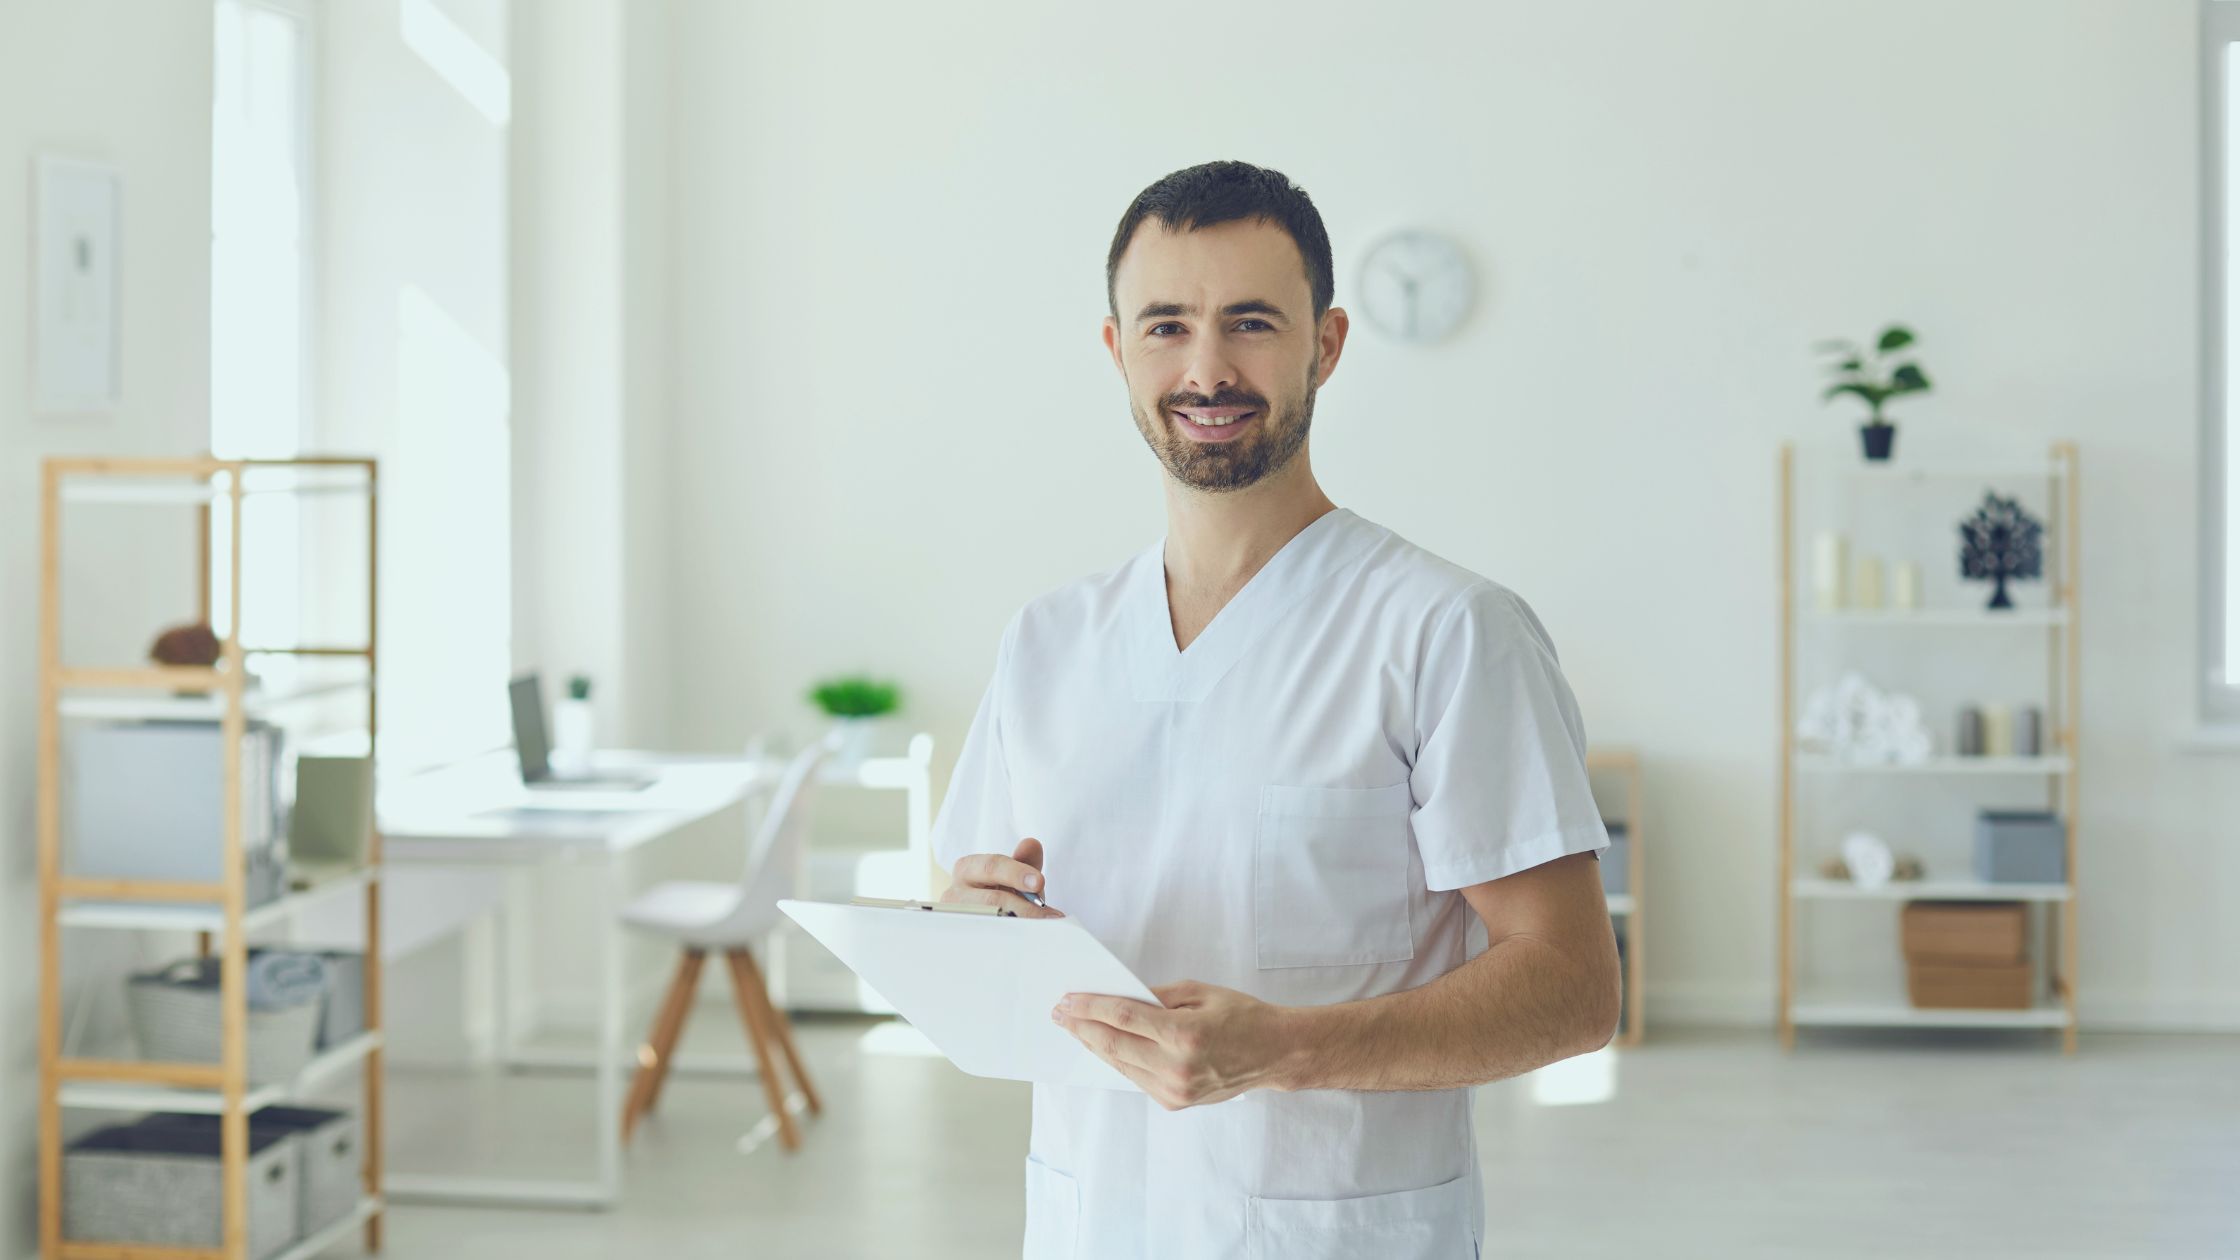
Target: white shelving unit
{"points": [[1927, 890], [1807, 764], [1811, 1011], [1957, 630]]}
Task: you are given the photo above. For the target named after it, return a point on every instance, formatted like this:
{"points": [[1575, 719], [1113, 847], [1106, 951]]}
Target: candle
{"points": [[1967, 738], [1905, 586], [1830, 557], [1866, 592], [1998, 731], [2029, 732]]}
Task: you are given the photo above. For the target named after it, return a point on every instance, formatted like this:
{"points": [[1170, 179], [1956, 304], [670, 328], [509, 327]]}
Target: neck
{"points": [[1216, 541]]}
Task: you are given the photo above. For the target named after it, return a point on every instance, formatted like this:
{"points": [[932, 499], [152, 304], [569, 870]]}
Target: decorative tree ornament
{"points": [[2001, 541]]}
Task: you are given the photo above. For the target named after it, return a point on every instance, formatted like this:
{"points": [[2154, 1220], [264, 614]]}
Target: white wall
{"points": [[61, 67], [893, 421]]}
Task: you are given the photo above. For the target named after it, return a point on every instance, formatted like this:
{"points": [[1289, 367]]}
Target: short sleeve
{"points": [[975, 814], [1500, 773]]}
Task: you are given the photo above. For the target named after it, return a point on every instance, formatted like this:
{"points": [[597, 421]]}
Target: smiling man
{"points": [[1282, 763]]}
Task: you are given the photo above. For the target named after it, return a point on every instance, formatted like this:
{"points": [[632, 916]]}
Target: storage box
{"points": [[1960, 986], [159, 1185], [146, 800], [1965, 932], [1617, 868], [2029, 846], [329, 1164], [342, 1014], [180, 1020]]}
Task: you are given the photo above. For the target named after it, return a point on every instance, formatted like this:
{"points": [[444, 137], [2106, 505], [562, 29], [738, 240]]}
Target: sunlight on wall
{"points": [[457, 59], [447, 613]]}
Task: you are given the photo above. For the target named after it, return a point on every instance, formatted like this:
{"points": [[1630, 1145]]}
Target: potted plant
{"points": [[1872, 377], [856, 703]]}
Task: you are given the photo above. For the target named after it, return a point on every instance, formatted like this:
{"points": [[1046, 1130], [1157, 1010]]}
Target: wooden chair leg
{"points": [[661, 1044], [746, 983], [781, 1030], [684, 991]]}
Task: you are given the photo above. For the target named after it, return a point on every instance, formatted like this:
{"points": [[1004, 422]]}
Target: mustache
{"points": [[1223, 398]]}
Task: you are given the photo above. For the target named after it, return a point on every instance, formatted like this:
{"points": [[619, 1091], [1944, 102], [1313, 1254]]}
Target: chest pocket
{"points": [[1330, 876]]}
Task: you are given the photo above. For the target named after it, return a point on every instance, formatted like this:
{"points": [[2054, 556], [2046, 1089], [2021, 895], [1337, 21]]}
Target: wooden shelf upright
{"points": [[1627, 907]]}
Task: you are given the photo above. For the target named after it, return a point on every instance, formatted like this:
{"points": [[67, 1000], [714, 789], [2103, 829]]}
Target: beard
{"points": [[1236, 464]]}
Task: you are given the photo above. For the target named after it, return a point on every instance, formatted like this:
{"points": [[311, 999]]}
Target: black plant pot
{"points": [[1878, 439]]}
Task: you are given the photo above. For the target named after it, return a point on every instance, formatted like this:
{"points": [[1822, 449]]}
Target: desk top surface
{"points": [[478, 810]]}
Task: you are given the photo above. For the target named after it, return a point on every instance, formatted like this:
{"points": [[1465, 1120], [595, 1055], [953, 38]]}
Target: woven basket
{"points": [[181, 1023]]}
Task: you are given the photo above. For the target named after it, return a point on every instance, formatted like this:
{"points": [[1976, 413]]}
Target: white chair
{"points": [[707, 917]]}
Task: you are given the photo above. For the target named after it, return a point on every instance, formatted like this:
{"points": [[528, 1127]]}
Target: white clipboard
{"points": [[980, 986]]}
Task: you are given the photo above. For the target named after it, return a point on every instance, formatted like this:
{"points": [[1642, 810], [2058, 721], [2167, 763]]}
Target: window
{"points": [[260, 269], [2220, 420]]}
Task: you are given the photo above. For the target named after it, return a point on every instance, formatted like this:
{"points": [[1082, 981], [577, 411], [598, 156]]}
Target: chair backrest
{"points": [[773, 855], [774, 852]]}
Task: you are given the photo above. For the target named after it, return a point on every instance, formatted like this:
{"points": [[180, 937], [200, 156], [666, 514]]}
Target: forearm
{"points": [[1520, 1005]]}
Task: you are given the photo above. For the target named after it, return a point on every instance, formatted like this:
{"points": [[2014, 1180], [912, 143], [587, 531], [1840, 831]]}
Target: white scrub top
{"points": [[1285, 808]]}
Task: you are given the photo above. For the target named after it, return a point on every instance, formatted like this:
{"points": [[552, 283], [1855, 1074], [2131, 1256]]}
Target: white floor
{"points": [[1697, 1144]]}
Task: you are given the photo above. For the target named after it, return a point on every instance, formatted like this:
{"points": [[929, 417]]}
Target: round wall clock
{"points": [[1416, 286]]}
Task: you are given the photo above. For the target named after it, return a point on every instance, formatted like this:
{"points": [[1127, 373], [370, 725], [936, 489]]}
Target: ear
{"points": [[1112, 343], [1331, 339]]}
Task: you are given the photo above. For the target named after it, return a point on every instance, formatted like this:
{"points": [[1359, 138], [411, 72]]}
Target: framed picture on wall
{"points": [[76, 230]]}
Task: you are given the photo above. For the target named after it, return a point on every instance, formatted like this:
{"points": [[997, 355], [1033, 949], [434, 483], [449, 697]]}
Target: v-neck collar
{"points": [[1164, 672]]}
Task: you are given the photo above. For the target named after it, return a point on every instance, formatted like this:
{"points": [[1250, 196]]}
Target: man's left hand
{"points": [[1207, 1044]]}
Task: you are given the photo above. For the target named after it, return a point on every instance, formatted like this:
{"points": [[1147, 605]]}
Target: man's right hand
{"points": [[992, 879]]}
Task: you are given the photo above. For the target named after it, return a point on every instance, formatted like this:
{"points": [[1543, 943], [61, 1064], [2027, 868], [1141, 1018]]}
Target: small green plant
{"points": [[579, 687], [1870, 375], [856, 697]]}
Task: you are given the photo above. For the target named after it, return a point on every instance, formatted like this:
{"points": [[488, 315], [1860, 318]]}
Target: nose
{"points": [[1209, 371]]}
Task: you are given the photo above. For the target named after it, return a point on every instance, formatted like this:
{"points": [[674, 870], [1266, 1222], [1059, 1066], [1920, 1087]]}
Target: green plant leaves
{"points": [[1872, 394], [1863, 376], [856, 697]]}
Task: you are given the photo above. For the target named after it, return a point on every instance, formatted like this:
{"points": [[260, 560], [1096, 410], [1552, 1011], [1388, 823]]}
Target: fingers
{"points": [[1126, 1014], [1002, 899], [1123, 1050], [993, 870], [1029, 853]]}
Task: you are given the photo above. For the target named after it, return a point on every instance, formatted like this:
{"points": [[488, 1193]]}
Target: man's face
{"points": [[1217, 340]]}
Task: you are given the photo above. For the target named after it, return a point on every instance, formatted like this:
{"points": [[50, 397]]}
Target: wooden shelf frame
{"points": [[2061, 766], [210, 485], [1632, 904]]}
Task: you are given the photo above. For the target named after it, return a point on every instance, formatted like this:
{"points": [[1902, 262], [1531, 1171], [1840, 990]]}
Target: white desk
{"points": [[477, 816]]}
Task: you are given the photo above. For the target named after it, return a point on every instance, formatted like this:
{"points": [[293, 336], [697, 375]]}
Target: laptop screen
{"points": [[529, 739]]}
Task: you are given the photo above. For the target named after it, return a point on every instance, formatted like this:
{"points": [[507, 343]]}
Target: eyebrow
{"points": [[1250, 306]]}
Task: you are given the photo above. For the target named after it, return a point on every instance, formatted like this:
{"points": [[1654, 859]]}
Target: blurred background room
{"points": [[409, 407]]}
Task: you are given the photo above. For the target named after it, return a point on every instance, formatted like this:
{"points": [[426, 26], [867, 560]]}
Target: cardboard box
{"points": [[1979, 987], [1979, 933]]}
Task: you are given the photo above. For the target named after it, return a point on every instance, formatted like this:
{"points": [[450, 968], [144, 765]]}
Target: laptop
{"points": [[535, 748]]}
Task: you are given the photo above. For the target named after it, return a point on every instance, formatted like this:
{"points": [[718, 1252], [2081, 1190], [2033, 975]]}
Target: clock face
{"points": [[1416, 286]]}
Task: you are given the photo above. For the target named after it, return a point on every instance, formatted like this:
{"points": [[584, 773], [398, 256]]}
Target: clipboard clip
{"points": [[945, 907]]}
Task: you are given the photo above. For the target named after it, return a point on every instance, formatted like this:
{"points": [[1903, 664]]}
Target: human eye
{"points": [[1255, 325], [1167, 329]]}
